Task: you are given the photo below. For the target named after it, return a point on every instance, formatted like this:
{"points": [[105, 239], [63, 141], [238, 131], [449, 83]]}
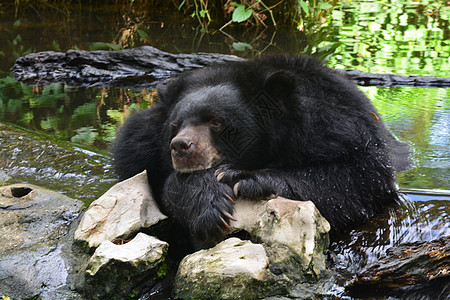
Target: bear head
{"points": [[215, 120]]}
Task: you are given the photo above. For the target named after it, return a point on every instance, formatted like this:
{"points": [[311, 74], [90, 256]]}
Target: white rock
{"points": [[296, 224], [229, 270], [144, 252], [122, 211]]}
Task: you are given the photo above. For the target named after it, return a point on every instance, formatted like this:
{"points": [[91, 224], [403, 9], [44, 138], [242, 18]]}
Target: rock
{"points": [[143, 253], [293, 237], [115, 270], [325, 288], [119, 213], [233, 269], [35, 254], [296, 224]]}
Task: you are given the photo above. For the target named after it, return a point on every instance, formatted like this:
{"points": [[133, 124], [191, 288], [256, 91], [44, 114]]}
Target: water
{"points": [[420, 117], [58, 136]]}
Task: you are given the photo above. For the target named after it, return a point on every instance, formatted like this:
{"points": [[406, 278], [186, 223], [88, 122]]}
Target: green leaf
{"points": [[18, 39], [240, 14], [142, 34], [323, 5], [202, 13], [104, 46], [56, 46], [17, 23], [304, 6], [238, 46]]}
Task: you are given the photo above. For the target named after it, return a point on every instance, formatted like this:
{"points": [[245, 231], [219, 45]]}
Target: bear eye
{"points": [[215, 123], [174, 127]]}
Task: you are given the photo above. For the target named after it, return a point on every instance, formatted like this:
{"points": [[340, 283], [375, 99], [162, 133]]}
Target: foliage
{"points": [[206, 12]]}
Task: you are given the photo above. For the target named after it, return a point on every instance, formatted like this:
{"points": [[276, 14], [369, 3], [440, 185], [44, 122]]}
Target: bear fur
{"points": [[280, 125]]}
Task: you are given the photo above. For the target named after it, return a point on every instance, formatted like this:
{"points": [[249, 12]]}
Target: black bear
{"points": [[281, 125]]}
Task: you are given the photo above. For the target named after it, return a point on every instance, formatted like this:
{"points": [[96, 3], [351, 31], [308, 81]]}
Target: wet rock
{"points": [[233, 269], [119, 213], [115, 270], [144, 67], [405, 265], [295, 224], [63, 167], [35, 243], [293, 237], [325, 288]]}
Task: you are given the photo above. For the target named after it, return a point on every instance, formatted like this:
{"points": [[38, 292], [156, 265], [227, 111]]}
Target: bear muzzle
{"points": [[181, 147], [192, 150]]}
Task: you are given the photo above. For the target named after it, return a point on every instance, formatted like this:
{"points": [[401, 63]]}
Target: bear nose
{"points": [[181, 146]]}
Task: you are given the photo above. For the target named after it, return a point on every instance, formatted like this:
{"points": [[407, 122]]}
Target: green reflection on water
{"points": [[87, 116], [385, 36], [91, 116], [420, 117], [403, 37]]}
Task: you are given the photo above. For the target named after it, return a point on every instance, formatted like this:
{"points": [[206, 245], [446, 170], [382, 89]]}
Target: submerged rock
{"points": [[35, 254], [121, 212]]}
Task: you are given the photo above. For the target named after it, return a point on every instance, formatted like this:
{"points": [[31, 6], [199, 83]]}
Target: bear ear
{"points": [[279, 84], [163, 91], [169, 91]]}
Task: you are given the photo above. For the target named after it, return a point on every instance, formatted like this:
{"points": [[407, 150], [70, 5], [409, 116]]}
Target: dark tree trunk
{"points": [[144, 67], [406, 265]]}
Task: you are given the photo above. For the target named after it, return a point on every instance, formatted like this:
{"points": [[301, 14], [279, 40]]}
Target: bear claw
{"points": [[236, 188], [229, 198], [219, 175], [218, 171], [228, 215], [225, 224]]}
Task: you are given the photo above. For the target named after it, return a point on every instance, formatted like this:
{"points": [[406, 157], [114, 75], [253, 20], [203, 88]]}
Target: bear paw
{"points": [[214, 219], [247, 184]]}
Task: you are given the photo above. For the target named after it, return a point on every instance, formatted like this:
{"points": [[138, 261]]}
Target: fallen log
{"points": [[144, 67], [405, 265], [137, 68]]}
